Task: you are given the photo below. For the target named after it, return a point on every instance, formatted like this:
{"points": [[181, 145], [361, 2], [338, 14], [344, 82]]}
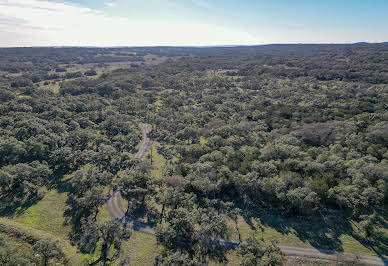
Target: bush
{"points": [[91, 72]]}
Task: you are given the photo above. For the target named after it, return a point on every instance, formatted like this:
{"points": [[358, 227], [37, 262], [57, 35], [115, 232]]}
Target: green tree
{"points": [[11, 256], [109, 235], [195, 233], [134, 187], [258, 252], [370, 227], [86, 195], [48, 250]]}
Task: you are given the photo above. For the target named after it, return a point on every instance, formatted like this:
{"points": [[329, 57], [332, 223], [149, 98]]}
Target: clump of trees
{"points": [[257, 252], [90, 72], [45, 251], [192, 235], [106, 236], [10, 255], [48, 251]]}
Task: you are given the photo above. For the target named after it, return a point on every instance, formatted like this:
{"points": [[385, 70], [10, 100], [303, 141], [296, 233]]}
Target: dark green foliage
{"points": [[108, 234], [193, 234], [11, 256], [167, 258], [21, 83], [258, 252], [71, 75], [86, 196], [135, 186], [48, 250], [90, 72], [22, 182], [370, 226]]}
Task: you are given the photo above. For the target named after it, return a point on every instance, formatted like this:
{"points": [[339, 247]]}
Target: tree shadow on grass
{"points": [[379, 243], [18, 208], [321, 231], [146, 214]]}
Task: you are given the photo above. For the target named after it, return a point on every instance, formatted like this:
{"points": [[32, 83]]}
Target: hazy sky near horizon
{"points": [[190, 22]]}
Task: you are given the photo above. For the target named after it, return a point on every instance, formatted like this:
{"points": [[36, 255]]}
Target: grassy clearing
{"points": [[154, 59], [233, 259], [53, 87], [107, 66], [47, 214], [158, 161], [26, 234], [103, 215], [270, 233], [46, 219], [142, 249]]}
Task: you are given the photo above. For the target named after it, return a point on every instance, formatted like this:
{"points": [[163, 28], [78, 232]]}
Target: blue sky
{"points": [[191, 22]]}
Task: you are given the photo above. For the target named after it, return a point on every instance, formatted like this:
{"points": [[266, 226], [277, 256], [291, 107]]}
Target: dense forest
{"points": [[293, 131]]}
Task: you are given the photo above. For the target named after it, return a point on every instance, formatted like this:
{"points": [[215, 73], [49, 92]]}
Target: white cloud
{"points": [[43, 23], [110, 4]]}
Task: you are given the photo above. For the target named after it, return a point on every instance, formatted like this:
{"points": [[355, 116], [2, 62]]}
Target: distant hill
{"points": [[370, 43]]}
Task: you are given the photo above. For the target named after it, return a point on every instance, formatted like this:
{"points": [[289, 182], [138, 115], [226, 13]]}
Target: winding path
{"points": [[114, 205], [116, 211]]}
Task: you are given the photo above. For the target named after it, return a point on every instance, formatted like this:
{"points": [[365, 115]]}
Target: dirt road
{"points": [[114, 203]]}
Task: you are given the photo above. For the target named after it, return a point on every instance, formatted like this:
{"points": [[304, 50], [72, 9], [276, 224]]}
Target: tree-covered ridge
{"points": [[295, 130]]}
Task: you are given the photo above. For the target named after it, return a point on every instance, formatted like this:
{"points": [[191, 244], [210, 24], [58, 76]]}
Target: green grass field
{"points": [[24, 233], [47, 214]]}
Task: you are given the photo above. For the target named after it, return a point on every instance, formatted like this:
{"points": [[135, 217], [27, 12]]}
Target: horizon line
{"points": [[186, 46]]}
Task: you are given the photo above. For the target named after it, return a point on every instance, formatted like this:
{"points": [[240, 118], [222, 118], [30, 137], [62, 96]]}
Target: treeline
{"points": [[21, 60]]}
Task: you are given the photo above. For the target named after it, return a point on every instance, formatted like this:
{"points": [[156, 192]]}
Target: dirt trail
{"points": [[114, 203], [116, 211]]}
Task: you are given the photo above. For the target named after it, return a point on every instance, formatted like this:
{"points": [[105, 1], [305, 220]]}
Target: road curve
{"points": [[114, 202], [116, 211]]}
